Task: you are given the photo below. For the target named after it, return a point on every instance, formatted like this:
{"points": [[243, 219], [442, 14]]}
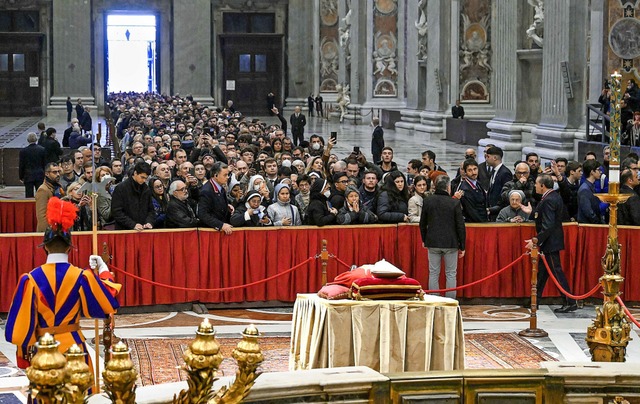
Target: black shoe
{"points": [[566, 309]]}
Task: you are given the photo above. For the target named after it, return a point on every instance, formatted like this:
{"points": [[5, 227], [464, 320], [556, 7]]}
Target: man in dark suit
{"points": [[86, 123], [298, 122], [474, 197], [377, 140], [443, 233], [485, 171], [629, 211], [500, 176], [213, 208], [180, 214], [32, 160], [457, 111], [548, 218]]}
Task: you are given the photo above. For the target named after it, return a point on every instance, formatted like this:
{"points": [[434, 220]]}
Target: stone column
{"points": [[72, 61], [302, 51], [562, 113], [505, 129], [438, 73], [596, 51], [192, 49]]}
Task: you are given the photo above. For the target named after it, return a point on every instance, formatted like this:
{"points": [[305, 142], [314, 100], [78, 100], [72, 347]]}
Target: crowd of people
{"points": [[187, 165]]}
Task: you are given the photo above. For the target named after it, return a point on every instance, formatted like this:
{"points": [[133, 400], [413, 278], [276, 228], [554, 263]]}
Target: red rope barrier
{"points": [[569, 295], [627, 312], [164, 285], [340, 261], [479, 280]]}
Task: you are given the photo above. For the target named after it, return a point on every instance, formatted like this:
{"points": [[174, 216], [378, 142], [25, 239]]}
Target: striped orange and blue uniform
{"points": [[55, 296]]}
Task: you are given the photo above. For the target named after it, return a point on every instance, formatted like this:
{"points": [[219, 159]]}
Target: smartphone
{"points": [[334, 135], [547, 164], [356, 149], [192, 172], [409, 179]]}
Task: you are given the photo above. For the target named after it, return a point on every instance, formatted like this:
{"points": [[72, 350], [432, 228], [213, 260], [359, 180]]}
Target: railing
{"points": [[597, 124]]}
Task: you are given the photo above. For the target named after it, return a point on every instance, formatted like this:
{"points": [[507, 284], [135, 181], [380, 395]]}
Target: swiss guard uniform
{"points": [[52, 297]]}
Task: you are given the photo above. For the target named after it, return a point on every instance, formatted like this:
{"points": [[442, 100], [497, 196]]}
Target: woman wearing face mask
{"points": [[353, 211], [392, 201], [415, 202], [251, 213], [257, 183], [319, 212], [282, 212]]}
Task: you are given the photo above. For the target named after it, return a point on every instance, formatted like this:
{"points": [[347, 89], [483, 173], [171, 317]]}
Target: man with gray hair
{"points": [[443, 233], [31, 162], [180, 213]]}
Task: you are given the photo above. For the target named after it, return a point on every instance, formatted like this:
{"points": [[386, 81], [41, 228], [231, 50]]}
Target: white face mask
{"points": [[327, 193], [286, 163], [315, 146]]}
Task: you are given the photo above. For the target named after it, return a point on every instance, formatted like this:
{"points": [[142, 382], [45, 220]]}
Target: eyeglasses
{"points": [[522, 173], [160, 186], [343, 182], [181, 189]]}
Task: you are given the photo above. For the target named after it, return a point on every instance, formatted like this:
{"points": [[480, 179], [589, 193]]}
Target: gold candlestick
{"points": [[608, 335]]}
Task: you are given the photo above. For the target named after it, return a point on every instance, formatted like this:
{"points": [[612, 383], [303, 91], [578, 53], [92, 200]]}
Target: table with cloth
{"points": [[385, 335]]}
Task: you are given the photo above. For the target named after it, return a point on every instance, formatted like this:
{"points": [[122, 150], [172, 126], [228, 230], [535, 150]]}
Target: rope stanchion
{"points": [[479, 280], [164, 285], [627, 312], [569, 295], [533, 331]]}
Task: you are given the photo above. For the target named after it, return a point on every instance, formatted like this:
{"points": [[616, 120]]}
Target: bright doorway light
{"points": [[131, 53]]}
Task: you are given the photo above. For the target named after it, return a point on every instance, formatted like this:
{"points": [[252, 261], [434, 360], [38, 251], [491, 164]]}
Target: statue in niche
{"points": [[343, 99], [474, 47], [385, 54], [536, 29], [345, 35], [421, 26], [329, 12]]}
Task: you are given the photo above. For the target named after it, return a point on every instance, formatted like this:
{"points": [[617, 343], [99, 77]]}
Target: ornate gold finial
{"points": [[120, 376], [47, 371], [248, 356], [202, 360], [78, 375]]}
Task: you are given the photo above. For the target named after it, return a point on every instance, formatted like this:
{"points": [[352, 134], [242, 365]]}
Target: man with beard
{"points": [[50, 187], [180, 213]]}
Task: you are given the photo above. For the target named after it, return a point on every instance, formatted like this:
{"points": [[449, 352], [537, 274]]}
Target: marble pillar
{"points": [[72, 61], [596, 50], [562, 111], [415, 20], [431, 124], [191, 63], [302, 51], [505, 129]]}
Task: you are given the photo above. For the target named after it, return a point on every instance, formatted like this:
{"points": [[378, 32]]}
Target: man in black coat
{"points": [[131, 202], [213, 208], [500, 176], [32, 160], [629, 211], [298, 122], [377, 140], [86, 123], [52, 147], [548, 218], [443, 233], [180, 214], [474, 197]]}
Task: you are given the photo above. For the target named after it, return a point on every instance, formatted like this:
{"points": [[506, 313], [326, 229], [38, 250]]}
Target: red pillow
{"points": [[401, 288], [334, 292], [346, 279]]}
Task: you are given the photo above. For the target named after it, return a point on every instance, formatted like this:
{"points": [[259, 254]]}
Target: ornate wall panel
{"points": [[329, 45], [475, 51], [621, 38], [385, 48]]}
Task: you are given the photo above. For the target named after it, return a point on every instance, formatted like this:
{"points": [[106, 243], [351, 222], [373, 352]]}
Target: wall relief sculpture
{"points": [[536, 29], [345, 34], [623, 38], [475, 51], [329, 45], [422, 28], [384, 55]]}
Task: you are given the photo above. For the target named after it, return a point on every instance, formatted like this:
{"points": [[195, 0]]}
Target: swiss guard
{"points": [[52, 297]]}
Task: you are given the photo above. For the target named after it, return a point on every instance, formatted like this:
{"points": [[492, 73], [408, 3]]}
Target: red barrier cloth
{"points": [[17, 215], [203, 258]]}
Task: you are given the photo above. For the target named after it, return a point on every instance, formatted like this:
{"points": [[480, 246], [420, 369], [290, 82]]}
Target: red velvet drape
{"points": [[203, 258], [17, 215]]}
